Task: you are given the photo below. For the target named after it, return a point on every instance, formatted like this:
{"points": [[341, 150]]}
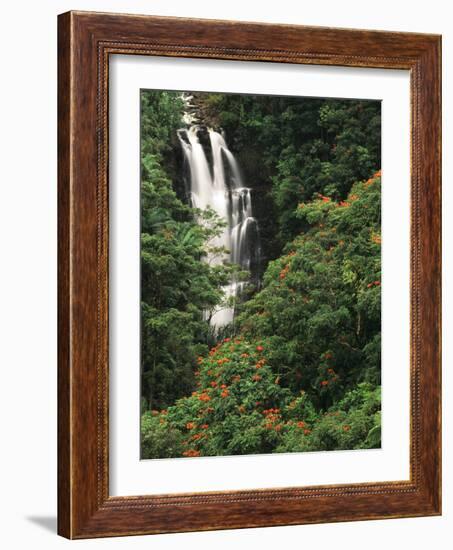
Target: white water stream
{"points": [[221, 188]]}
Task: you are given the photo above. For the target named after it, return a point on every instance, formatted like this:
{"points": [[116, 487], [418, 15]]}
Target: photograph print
{"points": [[260, 274]]}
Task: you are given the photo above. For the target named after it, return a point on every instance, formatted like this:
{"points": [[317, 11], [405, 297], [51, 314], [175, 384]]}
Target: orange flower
{"points": [[223, 386], [259, 348], [301, 424], [271, 411], [241, 409], [214, 350], [307, 432], [284, 271], [346, 428], [191, 452], [204, 397], [236, 378], [256, 377], [154, 412], [225, 393], [199, 360], [190, 425], [324, 383], [204, 426], [226, 339], [374, 283], [196, 437], [244, 355], [213, 384]]}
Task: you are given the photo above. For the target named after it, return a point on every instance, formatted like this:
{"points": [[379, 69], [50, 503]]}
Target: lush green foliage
{"points": [[176, 285], [320, 302], [240, 407], [300, 370], [292, 148]]}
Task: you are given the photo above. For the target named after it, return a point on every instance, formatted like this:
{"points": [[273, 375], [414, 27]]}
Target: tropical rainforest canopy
{"points": [[299, 369]]}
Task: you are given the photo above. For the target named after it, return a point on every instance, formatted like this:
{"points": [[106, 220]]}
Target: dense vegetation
{"points": [[176, 286], [300, 370]]}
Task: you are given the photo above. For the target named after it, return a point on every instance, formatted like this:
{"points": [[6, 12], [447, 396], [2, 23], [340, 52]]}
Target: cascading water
{"points": [[223, 190]]}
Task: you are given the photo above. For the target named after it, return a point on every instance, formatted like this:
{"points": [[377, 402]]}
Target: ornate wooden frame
{"points": [[85, 41]]}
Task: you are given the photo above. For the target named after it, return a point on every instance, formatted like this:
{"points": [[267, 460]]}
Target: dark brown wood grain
{"points": [[85, 42], [64, 132]]}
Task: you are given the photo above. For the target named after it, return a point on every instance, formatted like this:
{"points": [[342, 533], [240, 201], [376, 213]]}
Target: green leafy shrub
{"points": [[353, 423], [239, 407], [228, 413], [320, 302]]}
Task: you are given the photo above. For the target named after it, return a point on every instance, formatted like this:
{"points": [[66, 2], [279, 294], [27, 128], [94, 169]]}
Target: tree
{"points": [[240, 407], [320, 302], [177, 285]]}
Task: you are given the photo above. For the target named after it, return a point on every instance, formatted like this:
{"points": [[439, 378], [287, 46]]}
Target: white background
{"points": [[129, 475], [28, 271]]}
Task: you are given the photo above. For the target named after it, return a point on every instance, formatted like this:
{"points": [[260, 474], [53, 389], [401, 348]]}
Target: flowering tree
{"points": [[320, 302], [240, 407]]}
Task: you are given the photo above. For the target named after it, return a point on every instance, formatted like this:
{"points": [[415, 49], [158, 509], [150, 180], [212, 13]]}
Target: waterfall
{"points": [[220, 187]]}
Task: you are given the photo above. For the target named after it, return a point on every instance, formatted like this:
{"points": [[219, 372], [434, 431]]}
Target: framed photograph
{"points": [[249, 275]]}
